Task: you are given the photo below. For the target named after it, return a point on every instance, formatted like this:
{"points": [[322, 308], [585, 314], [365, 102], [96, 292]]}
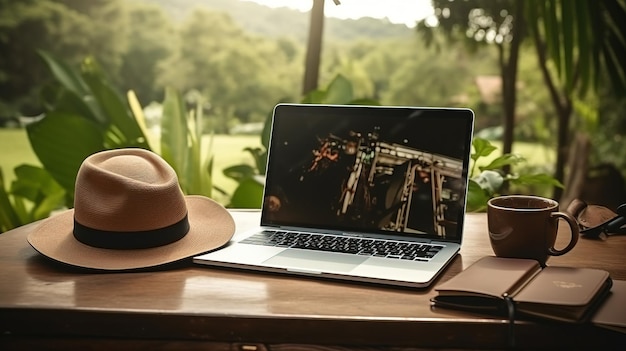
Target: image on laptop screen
{"points": [[369, 169]]}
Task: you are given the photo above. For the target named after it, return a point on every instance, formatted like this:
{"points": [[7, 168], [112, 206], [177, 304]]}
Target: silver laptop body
{"points": [[349, 187]]}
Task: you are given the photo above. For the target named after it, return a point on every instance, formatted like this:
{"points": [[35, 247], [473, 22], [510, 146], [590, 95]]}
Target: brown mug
{"points": [[522, 226]]}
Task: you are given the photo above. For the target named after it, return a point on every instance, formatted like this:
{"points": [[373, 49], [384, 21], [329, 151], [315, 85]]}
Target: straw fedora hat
{"points": [[129, 213]]}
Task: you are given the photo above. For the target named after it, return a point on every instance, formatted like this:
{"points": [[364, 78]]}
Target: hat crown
{"points": [[127, 190]]}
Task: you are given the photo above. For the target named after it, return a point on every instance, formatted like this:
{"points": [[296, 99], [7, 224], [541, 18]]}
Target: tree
{"points": [[29, 25], [314, 47], [579, 38], [486, 22], [429, 78], [150, 37], [104, 35], [236, 74]]}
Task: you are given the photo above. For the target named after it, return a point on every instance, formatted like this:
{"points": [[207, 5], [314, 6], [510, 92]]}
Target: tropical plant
{"points": [[488, 180], [249, 191], [33, 195], [578, 40], [581, 40], [85, 115], [180, 141]]}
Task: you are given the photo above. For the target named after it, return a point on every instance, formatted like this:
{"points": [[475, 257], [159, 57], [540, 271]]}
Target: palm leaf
{"points": [[339, 91], [567, 27], [9, 219], [62, 142], [550, 22], [121, 122], [174, 132], [585, 48]]}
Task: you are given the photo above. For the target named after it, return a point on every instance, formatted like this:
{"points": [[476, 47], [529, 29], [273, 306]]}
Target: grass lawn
{"points": [[227, 150], [15, 151]]}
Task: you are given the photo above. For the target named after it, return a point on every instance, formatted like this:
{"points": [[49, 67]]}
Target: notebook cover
{"points": [[564, 293], [490, 277], [559, 293], [567, 286], [611, 313]]}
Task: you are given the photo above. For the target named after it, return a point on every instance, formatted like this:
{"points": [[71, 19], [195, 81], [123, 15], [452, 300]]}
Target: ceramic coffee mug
{"points": [[526, 227]]}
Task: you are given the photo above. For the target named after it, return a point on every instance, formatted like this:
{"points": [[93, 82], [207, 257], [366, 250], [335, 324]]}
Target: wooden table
{"points": [[43, 304]]}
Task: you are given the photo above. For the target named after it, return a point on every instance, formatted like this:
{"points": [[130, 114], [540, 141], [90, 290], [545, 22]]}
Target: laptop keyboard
{"points": [[350, 245]]}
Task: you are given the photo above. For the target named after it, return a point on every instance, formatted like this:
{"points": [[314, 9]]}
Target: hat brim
{"points": [[211, 227]]}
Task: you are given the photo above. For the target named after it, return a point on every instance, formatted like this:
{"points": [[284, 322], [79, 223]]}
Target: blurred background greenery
{"points": [[232, 61]]}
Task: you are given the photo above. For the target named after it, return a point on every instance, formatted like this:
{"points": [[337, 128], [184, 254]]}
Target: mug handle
{"points": [[573, 228]]}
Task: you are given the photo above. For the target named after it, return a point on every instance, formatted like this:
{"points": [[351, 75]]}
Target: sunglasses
{"points": [[615, 225]]}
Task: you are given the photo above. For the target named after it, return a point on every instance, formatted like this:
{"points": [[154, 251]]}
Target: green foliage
{"points": [[582, 38], [33, 195], [487, 181], [281, 22], [339, 91], [85, 115], [151, 39], [250, 189], [239, 62], [86, 102], [249, 193], [70, 29], [578, 40], [222, 62], [181, 144], [609, 134]]}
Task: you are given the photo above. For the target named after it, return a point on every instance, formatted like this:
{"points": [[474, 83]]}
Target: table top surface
{"points": [[189, 301]]}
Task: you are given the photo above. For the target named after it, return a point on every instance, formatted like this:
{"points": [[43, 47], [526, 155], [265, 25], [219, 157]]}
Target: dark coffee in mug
{"points": [[523, 226]]}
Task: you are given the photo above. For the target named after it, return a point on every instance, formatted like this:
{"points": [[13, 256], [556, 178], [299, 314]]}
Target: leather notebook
{"points": [[521, 286], [612, 312]]}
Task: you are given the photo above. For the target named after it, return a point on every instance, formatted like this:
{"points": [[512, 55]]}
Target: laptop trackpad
{"points": [[315, 261]]}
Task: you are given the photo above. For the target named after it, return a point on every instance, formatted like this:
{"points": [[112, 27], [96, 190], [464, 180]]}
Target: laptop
{"points": [[371, 194]]}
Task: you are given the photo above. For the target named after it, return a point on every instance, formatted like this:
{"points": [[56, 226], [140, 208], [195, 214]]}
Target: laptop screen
{"points": [[400, 170]]}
